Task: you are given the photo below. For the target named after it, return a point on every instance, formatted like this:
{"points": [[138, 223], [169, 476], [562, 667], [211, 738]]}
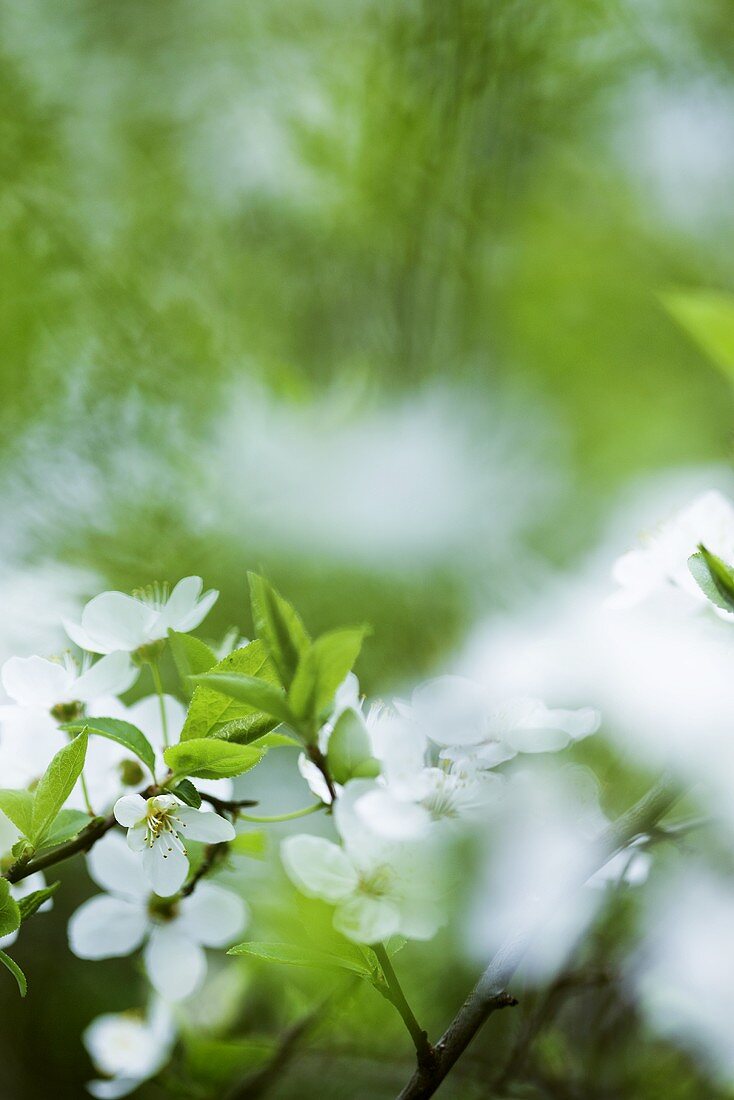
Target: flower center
{"points": [[162, 910], [376, 883], [155, 595], [67, 712]]}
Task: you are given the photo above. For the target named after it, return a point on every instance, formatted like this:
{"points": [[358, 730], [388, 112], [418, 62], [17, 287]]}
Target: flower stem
{"points": [[85, 793], [158, 684], [271, 819], [395, 995]]}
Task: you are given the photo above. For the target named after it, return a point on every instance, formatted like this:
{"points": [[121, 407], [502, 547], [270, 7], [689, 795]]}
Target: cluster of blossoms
{"points": [[145, 788]]}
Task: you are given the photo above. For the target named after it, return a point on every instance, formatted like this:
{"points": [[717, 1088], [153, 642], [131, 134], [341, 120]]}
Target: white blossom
{"points": [[174, 933], [128, 1048], [158, 828], [379, 888], [661, 562], [115, 621]]}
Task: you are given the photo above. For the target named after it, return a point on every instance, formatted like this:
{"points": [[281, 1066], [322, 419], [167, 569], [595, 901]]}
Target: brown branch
{"points": [[489, 993], [81, 843], [227, 806]]}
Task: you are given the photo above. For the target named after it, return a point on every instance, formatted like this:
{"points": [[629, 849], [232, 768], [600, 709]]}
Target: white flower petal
{"points": [[212, 916], [116, 621], [392, 818], [36, 682], [319, 868], [315, 778], [176, 966], [366, 919], [203, 825], [452, 710], [113, 674], [130, 810], [116, 868], [137, 837], [112, 1088], [166, 867], [106, 927]]}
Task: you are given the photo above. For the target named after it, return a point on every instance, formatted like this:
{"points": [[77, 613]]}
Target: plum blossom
{"points": [[661, 562], [128, 1048], [458, 714], [156, 828], [379, 888], [115, 621], [175, 933]]}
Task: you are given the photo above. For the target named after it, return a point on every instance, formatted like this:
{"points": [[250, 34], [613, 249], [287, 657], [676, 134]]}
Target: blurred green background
{"points": [[367, 295]]}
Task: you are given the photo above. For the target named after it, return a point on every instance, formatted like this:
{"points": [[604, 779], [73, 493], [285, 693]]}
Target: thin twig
{"points": [[394, 994], [227, 806], [489, 993], [81, 843]]}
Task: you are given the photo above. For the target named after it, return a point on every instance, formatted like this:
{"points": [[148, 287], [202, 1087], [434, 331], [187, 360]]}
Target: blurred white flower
{"points": [[379, 888], [52, 685], [346, 698], [459, 714], [156, 828], [175, 933], [128, 1048], [662, 560], [115, 621]]}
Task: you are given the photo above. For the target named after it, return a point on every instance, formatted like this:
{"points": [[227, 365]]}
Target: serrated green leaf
{"points": [[210, 711], [208, 758], [122, 733], [18, 807], [31, 903], [15, 970], [249, 690], [190, 655], [349, 754], [276, 740], [714, 577], [322, 669], [278, 625], [9, 910], [55, 786], [295, 955], [252, 843], [188, 793]]}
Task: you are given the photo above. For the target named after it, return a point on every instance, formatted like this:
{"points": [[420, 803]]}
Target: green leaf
{"points": [[714, 577], [67, 824], [31, 903], [249, 690], [208, 758], [16, 972], [322, 669], [123, 733], [708, 318], [210, 711], [276, 741], [188, 793], [190, 655], [56, 785], [18, 807], [9, 910], [278, 625], [218, 1061], [349, 754], [252, 843], [295, 955]]}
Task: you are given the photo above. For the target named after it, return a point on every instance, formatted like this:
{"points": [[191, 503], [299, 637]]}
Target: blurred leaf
{"points": [[190, 655], [349, 754], [714, 577], [9, 910], [253, 844], [322, 669], [708, 317], [278, 625], [31, 903], [210, 711], [123, 733], [18, 807], [56, 784], [208, 758], [16, 972], [217, 1061], [294, 955]]}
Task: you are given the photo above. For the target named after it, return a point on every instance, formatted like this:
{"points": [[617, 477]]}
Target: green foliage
{"points": [[349, 755], [123, 733], [217, 1061], [55, 786], [321, 669], [209, 758], [67, 824], [252, 843], [258, 695], [15, 970], [278, 625], [18, 807], [714, 577], [31, 903], [190, 655], [188, 793], [211, 712], [708, 317], [296, 955], [9, 910]]}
